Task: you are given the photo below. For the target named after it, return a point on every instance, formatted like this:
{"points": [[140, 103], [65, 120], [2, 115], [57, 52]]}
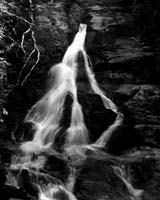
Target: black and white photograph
{"points": [[79, 100]]}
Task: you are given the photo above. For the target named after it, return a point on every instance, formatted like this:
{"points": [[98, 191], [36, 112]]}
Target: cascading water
{"points": [[46, 116], [135, 194]]}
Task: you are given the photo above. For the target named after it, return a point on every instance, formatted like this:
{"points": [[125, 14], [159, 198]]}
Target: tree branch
{"points": [[30, 29]]}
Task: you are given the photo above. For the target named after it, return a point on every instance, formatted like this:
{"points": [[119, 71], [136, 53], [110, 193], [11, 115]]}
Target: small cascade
{"points": [[108, 104], [54, 192], [134, 193], [71, 180], [103, 139], [12, 179]]}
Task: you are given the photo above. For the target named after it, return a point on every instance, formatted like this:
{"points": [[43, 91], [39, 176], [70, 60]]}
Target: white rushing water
{"points": [[47, 113], [55, 192]]}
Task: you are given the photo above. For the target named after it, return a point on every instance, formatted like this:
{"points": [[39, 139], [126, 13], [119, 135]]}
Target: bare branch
{"points": [[5, 10], [24, 66], [38, 57], [35, 47]]}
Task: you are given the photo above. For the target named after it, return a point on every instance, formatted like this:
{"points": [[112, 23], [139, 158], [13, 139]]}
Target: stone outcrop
{"points": [[142, 104]]}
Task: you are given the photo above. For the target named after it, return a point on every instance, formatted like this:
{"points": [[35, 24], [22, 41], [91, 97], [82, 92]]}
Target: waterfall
{"points": [[47, 112], [46, 117]]}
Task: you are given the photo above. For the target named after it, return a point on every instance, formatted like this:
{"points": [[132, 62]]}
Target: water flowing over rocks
{"points": [[123, 45]]}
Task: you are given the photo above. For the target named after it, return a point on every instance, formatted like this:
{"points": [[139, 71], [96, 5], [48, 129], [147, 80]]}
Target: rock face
{"points": [[141, 167], [142, 102]]}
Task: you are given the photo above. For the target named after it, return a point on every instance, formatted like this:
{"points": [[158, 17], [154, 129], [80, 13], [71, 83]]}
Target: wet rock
{"points": [[6, 151], [123, 138], [150, 133], [142, 171], [115, 77], [145, 104], [28, 183], [126, 92], [142, 105], [76, 13], [57, 167], [23, 132], [127, 50]]}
